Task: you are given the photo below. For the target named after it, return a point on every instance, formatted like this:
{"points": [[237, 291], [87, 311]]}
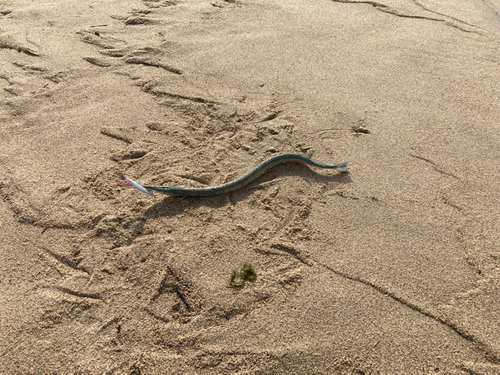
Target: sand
{"points": [[394, 267]]}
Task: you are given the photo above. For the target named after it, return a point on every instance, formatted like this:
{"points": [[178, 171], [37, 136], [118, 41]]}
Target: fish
{"points": [[251, 176]]}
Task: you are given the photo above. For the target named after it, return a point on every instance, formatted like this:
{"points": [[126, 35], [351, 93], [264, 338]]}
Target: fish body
{"points": [[239, 182]]}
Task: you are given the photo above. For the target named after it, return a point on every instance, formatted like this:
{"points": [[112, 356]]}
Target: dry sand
{"points": [[392, 268]]}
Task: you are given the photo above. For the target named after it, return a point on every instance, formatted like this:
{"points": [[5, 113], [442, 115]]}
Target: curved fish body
{"points": [[240, 182]]}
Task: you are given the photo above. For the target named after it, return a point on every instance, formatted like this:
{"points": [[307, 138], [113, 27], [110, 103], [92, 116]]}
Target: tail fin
{"points": [[342, 167]]}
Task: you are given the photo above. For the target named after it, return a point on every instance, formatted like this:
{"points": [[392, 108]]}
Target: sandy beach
{"points": [[391, 268]]}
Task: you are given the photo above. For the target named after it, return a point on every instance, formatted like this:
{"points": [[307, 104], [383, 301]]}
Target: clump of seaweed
{"points": [[247, 273]]}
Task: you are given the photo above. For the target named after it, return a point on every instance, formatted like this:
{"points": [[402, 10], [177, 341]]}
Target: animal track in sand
{"points": [[174, 299]]}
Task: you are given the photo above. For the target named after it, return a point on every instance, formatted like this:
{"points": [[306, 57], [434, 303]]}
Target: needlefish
{"points": [[239, 182]]}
